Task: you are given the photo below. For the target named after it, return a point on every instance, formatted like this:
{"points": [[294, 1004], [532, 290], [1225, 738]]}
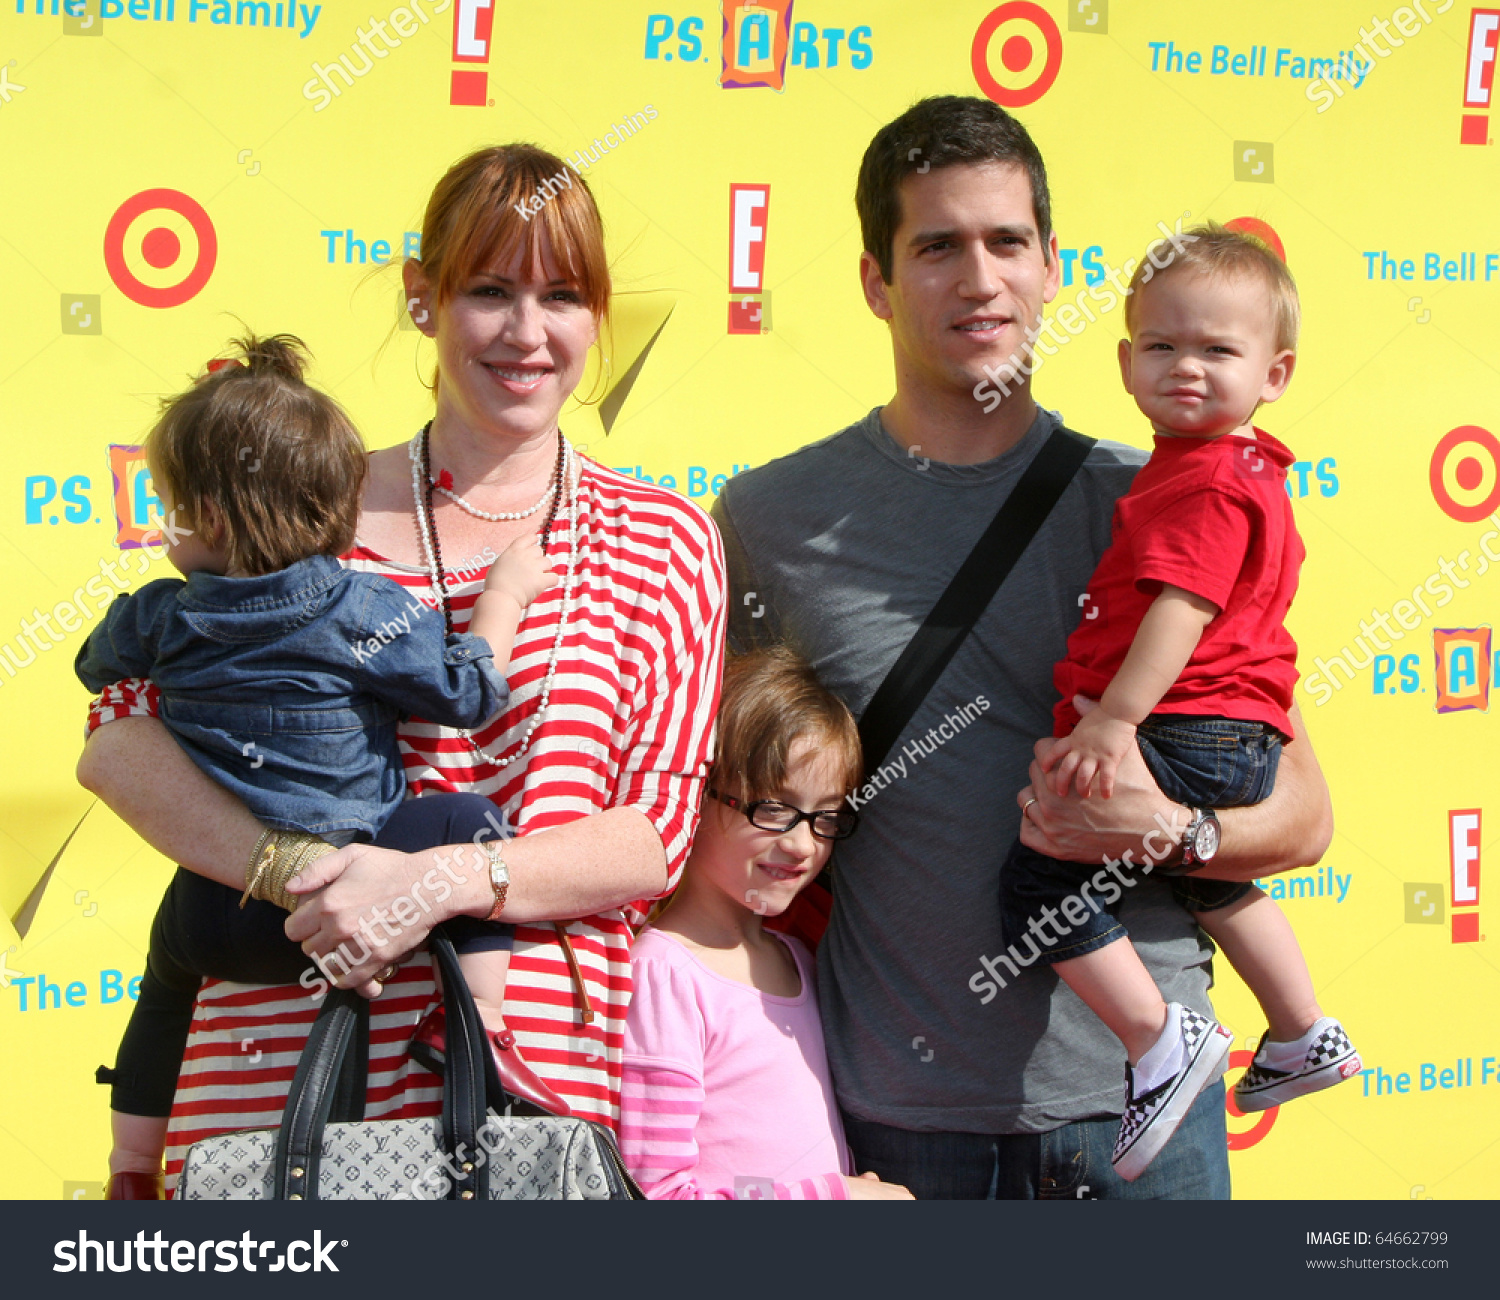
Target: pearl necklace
{"points": [[499, 515], [427, 531]]}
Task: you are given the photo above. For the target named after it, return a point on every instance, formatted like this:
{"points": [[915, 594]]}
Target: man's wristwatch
{"points": [[1199, 843], [499, 877]]}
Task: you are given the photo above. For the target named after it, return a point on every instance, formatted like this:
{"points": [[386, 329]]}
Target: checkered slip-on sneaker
{"points": [[1151, 1119], [1331, 1059]]}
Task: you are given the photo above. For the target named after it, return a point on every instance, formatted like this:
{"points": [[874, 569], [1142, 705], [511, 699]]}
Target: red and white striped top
{"points": [[629, 723]]}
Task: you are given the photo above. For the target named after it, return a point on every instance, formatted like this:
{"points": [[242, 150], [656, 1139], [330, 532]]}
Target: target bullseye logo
{"points": [[145, 252], [1031, 53], [1465, 473], [1258, 1130]]}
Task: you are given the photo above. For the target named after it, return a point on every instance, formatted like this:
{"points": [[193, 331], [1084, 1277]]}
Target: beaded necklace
{"points": [[562, 474]]}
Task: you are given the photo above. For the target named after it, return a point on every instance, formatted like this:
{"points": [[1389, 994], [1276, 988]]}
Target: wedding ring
{"points": [[386, 974], [1027, 805]]}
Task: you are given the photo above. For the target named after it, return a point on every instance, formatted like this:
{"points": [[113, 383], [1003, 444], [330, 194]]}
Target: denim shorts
{"points": [[1203, 762]]}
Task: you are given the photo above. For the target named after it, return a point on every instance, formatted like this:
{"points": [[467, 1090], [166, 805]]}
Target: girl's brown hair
{"points": [[475, 218], [280, 463], [771, 699]]}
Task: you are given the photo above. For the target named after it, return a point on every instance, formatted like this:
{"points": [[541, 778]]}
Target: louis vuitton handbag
{"points": [[486, 1145]]}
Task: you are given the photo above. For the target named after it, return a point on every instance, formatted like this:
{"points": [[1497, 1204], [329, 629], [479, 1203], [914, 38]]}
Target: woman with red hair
{"points": [[599, 761]]}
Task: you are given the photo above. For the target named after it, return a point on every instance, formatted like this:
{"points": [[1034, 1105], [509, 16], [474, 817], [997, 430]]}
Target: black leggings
{"points": [[200, 931]]}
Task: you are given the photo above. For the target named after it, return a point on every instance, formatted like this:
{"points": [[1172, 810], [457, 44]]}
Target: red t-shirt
{"points": [[1212, 516]]}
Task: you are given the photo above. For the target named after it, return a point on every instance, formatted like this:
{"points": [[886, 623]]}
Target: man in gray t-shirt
{"points": [[950, 1085]]}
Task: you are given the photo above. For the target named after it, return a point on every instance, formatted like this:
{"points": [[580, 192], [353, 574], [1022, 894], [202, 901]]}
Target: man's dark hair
{"points": [[943, 131]]}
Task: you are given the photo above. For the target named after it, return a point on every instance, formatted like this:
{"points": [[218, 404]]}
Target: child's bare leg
{"points": [[485, 973], [1173, 1052], [1258, 940], [140, 1143], [1120, 991]]}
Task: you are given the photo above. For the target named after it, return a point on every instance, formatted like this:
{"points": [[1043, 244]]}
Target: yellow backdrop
{"points": [[176, 167]]}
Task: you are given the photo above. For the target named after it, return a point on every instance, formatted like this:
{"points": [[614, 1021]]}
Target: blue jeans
{"points": [[1069, 1163], [1204, 762]]}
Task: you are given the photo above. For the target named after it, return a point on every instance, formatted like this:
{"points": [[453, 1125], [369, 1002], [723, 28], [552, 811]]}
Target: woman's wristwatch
{"points": [[499, 877], [1199, 844]]}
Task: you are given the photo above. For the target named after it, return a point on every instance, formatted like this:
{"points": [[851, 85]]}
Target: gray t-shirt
{"points": [[841, 549]]}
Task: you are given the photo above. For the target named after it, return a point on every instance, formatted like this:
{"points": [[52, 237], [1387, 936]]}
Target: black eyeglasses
{"points": [[773, 815]]}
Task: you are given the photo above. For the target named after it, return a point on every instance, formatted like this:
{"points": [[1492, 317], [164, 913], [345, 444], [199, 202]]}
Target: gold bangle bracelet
{"points": [[260, 859], [292, 851]]}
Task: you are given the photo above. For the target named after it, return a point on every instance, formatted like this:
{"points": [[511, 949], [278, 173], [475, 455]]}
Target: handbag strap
{"points": [[951, 619], [333, 1054], [299, 1141], [465, 1101]]}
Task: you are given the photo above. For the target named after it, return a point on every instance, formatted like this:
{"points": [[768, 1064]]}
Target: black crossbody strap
{"points": [[915, 673]]}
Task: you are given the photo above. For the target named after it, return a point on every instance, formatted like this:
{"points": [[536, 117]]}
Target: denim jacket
{"points": [[286, 687]]}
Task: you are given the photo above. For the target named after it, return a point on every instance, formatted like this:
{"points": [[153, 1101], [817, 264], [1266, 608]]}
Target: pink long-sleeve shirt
{"points": [[726, 1092]]}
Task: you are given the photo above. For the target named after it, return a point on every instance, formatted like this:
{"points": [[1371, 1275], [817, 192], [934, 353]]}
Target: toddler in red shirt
{"points": [[1183, 644]]}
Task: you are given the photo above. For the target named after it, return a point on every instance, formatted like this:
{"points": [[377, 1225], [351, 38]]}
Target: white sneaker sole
{"points": [[1156, 1134], [1297, 1085]]}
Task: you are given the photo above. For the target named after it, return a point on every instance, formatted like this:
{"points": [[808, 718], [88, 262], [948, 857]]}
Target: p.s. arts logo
{"points": [[1016, 53], [1463, 668], [1464, 659], [137, 507], [160, 248], [758, 40], [1479, 74]]}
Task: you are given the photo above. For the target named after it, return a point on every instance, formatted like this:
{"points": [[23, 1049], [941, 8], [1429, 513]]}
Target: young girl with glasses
{"points": [[726, 1091]]}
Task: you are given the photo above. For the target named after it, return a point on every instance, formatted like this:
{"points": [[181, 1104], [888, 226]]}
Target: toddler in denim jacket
{"points": [[281, 674]]}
